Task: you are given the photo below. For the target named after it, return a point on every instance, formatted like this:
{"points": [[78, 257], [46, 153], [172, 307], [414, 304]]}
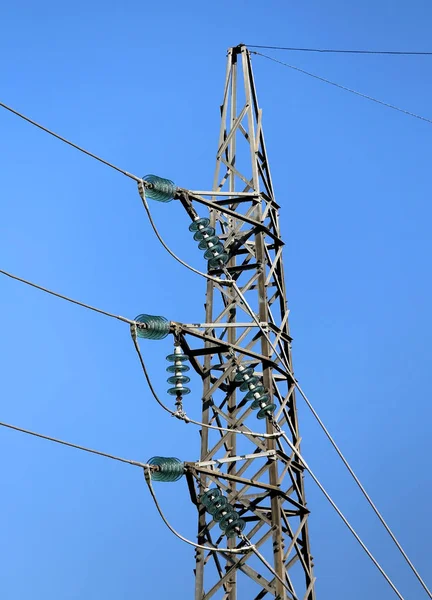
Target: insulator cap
{"points": [[205, 231], [240, 376], [181, 390], [162, 190], [157, 327], [235, 528], [251, 381], [170, 468]]}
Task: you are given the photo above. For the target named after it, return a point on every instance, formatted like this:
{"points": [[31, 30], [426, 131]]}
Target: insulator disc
{"points": [[260, 389], [240, 376], [217, 504], [219, 261], [199, 235], [174, 368], [178, 379], [179, 391], [266, 411], [252, 381], [205, 243], [214, 252], [199, 224], [235, 528], [256, 404], [209, 496], [227, 520], [180, 357]]}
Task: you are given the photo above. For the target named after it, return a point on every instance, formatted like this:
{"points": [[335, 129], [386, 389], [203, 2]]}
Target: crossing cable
{"points": [[334, 51], [342, 516], [135, 463], [62, 297], [342, 87], [285, 363], [332, 441]]}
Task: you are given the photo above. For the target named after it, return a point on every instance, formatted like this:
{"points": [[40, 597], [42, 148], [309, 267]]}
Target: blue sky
{"points": [[141, 85]]}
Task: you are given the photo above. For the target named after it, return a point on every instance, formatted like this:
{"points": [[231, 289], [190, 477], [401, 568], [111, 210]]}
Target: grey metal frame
{"points": [[267, 485]]}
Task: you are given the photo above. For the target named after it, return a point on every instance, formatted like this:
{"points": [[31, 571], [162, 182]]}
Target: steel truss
{"points": [[261, 477]]}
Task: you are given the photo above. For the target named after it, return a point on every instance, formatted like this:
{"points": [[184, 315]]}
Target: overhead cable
{"points": [[342, 87], [336, 51], [76, 446], [62, 297], [66, 141]]}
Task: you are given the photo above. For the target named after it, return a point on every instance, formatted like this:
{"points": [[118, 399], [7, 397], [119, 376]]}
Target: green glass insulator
{"points": [[214, 252], [170, 468], [178, 379], [205, 243], [228, 520], [219, 261], [209, 496], [199, 224], [175, 357], [176, 368], [157, 327], [240, 376], [205, 231], [258, 402], [235, 528], [259, 389], [266, 411], [223, 512], [217, 504], [160, 189], [179, 391], [245, 387]]}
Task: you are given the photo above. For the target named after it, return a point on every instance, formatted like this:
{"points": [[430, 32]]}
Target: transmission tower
{"points": [[246, 342]]}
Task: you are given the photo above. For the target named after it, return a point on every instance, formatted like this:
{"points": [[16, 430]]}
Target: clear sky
{"points": [[141, 84]]}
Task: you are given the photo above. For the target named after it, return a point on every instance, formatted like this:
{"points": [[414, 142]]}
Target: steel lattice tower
{"points": [[267, 485]]}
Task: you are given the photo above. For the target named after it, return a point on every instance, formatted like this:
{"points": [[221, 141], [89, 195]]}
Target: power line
{"points": [[342, 87], [62, 297], [66, 141], [334, 51], [75, 446]]}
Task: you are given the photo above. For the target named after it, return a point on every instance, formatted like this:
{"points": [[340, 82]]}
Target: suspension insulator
{"points": [[223, 512], [157, 327], [160, 189], [169, 468], [210, 242], [178, 368]]}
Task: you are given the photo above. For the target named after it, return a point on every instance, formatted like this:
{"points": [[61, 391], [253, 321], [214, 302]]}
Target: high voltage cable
{"points": [[342, 87], [135, 463], [62, 297], [335, 51], [66, 141]]}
